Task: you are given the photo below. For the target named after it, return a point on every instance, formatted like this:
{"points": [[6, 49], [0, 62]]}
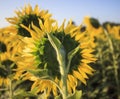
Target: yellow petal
{"points": [[62, 26], [36, 10], [85, 69], [83, 73], [79, 76], [47, 25]]}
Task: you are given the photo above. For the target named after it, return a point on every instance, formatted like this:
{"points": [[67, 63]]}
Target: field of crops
{"points": [[41, 60]]}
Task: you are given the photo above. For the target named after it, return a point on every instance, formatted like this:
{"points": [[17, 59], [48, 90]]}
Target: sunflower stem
{"points": [[64, 81], [115, 63], [11, 80], [10, 89]]}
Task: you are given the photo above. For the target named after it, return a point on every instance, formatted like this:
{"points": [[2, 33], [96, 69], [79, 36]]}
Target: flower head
{"points": [[113, 31], [93, 27], [26, 16], [10, 46], [40, 56]]}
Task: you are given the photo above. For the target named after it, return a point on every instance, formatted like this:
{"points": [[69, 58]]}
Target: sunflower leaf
{"points": [[41, 73], [23, 95], [70, 56], [57, 45], [73, 52], [58, 97], [76, 95]]}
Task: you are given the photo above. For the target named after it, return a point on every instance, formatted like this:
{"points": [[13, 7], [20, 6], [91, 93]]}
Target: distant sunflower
{"points": [[93, 27], [4, 48], [4, 56], [113, 30], [26, 16], [7, 67], [9, 49], [9, 29], [39, 54]]}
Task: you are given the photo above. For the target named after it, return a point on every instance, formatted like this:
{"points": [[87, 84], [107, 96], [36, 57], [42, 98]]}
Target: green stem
{"points": [[101, 62], [3, 89], [10, 89], [115, 63], [68, 66], [64, 79]]}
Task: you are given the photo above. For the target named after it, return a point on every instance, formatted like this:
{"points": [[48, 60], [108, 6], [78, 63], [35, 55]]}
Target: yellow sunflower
{"points": [[25, 17], [93, 27], [9, 29], [7, 67], [10, 47], [4, 56], [4, 48], [40, 56], [114, 31]]}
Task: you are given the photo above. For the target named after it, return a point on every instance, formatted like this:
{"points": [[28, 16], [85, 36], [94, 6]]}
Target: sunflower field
{"points": [[41, 60]]}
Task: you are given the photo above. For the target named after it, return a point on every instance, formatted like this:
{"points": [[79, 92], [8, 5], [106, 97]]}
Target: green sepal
{"points": [[41, 50]]}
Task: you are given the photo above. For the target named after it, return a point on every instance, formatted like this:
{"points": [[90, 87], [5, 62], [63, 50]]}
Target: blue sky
{"points": [[103, 10]]}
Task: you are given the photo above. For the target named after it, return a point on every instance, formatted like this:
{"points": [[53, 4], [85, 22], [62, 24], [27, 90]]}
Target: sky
{"points": [[103, 10]]}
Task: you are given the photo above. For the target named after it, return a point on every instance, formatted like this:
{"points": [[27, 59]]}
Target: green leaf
{"points": [[58, 97], [71, 54], [61, 54], [41, 73], [23, 95], [76, 95], [57, 45]]}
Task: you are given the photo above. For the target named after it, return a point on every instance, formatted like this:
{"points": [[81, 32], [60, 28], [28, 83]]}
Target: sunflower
{"points": [[25, 17], [10, 46], [4, 48], [9, 29], [93, 27], [39, 55], [113, 30], [7, 67], [4, 55]]}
